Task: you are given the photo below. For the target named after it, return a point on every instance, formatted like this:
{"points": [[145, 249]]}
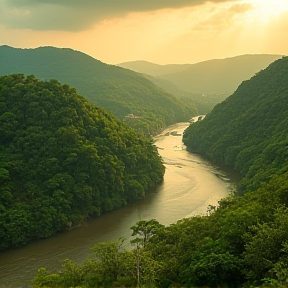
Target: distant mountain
{"points": [[203, 102], [212, 76], [128, 95], [154, 69], [220, 75], [248, 131]]}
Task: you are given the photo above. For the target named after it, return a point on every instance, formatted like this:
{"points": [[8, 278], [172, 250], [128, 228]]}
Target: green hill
{"points": [[119, 90], [206, 83], [220, 75], [203, 102], [211, 76], [62, 159], [248, 131]]}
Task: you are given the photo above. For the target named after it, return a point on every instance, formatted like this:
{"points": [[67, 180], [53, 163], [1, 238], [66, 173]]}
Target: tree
{"points": [[211, 265], [264, 243], [145, 230], [145, 264], [108, 255]]}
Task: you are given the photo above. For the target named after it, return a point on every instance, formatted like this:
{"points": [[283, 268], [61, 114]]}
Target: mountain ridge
{"points": [[214, 71], [251, 123], [119, 90], [146, 67]]}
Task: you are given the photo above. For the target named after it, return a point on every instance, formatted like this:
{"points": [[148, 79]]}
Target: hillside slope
{"points": [[154, 69], [211, 76], [119, 90], [220, 75], [203, 102], [248, 131], [62, 159]]}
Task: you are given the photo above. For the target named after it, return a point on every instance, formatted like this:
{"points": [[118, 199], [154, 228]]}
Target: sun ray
{"points": [[266, 10]]}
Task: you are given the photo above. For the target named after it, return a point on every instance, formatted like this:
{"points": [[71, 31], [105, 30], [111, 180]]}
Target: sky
{"points": [[158, 31]]}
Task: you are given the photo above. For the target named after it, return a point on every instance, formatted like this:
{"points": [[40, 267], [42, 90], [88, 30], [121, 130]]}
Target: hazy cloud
{"points": [[78, 15], [241, 8], [221, 17]]}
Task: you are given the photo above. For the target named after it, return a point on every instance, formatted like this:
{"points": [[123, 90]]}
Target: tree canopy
{"points": [[63, 159], [248, 131]]}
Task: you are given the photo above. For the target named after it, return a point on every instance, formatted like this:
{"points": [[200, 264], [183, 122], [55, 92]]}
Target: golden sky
{"points": [[158, 31]]}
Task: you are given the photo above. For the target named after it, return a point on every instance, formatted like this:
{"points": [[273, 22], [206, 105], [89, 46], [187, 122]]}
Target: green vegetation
{"points": [[110, 265], [244, 241], [203, 102], [248, 131], [63, 159], [206, 83], [242, 244], [116, 89]]}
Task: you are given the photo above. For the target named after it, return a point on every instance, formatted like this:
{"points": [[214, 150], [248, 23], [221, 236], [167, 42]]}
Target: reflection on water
{"points": [[190, 185]]}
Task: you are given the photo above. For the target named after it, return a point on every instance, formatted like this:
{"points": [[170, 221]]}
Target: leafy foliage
{"points": [[63, 160], [242, 244], [248, 131], [145, 230], [109, 265]]}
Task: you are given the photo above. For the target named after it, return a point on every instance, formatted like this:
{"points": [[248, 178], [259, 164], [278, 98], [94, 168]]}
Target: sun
{"points": [[267, 9]]}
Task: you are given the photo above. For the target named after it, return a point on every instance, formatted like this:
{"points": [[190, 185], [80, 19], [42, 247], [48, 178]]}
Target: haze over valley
{"points": [[206, 83]]}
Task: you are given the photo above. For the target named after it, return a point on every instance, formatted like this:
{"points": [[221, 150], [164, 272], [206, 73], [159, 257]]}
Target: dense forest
{"points": [[244, 241], [248, 131], [63, 159], [127, 94]]}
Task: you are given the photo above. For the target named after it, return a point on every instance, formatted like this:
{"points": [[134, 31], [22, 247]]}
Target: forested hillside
{"points": [[203, 102], [244, 241], [128, 95], [249, 130], [62, 159], [205, 83]]}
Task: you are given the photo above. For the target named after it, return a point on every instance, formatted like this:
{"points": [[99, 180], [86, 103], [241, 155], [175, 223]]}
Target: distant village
{"points": [[132, 116]]}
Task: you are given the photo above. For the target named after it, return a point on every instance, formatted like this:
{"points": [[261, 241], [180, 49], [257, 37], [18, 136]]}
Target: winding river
{"points": [[190, 185]]}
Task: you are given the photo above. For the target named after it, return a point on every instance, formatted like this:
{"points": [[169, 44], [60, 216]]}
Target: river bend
{"points": [[190, 185]]}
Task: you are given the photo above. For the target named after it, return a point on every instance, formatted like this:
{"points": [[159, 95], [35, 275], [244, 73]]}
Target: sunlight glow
{"points": [[268, 9]]}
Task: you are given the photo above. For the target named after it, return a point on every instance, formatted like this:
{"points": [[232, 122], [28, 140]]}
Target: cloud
{"points": [[79, 15], [220, 18], [241, 7]]}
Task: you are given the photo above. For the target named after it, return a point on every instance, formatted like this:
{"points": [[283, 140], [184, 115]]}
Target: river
{"points": [[190, 185]]}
